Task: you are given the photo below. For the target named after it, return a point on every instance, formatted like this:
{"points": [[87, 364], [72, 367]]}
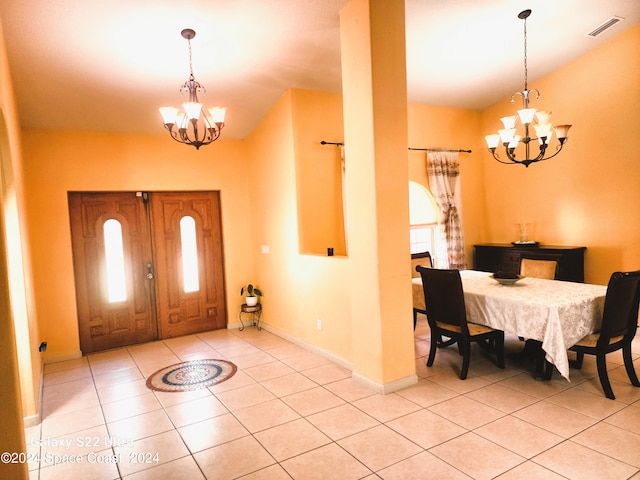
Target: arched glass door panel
{"points": [[114, 256], [190, 274]]}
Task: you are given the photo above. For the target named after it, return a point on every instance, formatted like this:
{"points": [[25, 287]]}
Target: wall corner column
{"points": [[374, 90]]}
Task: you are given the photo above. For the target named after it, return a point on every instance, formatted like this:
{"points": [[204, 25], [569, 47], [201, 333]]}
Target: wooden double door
{"points": [[147, 266]]}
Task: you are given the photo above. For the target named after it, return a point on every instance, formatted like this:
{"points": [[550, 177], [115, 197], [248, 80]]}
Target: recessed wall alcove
{"points": [[321, 224]]}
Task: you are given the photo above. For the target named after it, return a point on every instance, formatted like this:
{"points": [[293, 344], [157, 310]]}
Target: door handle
{"points": [[149, 271]]}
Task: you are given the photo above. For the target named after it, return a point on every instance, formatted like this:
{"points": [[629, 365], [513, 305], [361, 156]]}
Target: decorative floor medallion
{"points": [[193, 375]]}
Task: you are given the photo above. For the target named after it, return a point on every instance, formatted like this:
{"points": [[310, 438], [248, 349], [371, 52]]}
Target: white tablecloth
{"points": [[556, 313]]}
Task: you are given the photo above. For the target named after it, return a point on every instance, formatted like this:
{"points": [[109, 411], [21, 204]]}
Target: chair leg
{"points": [[415, 318], [465, 351], [499, 347], [577, 363], [601, 361], [433, 348], [487, 344], [628, 365]]}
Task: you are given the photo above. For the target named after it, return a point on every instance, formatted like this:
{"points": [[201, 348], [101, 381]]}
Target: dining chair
{"points": [[446, 314], [619, 325], [424, 259], [538, 268], [546, 269]]}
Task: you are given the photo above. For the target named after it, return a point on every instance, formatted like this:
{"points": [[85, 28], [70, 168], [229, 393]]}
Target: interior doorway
{"points": [[148, 266]]}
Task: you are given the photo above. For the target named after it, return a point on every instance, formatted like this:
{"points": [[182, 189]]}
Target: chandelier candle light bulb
{"points": [[542, 128], [194, 125]]}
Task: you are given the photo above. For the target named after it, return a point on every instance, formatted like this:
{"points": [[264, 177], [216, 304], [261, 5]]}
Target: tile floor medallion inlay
{"points": [[191, 375]]}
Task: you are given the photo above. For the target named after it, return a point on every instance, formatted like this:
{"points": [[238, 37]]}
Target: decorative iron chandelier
{"points": [[193, 126], [543, 128]]}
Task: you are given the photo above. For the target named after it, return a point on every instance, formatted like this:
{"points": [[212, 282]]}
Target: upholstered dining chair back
{"points": [[446, 314], [422, 258], [619, 325], [444, 298], [531, 267], [620, 314]]}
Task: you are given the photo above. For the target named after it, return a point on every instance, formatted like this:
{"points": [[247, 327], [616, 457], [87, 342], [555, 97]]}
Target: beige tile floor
{"points": [[288, 413]]}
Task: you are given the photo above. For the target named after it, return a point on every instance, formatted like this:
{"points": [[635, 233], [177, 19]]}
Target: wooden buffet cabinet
{"points": [[493, 257]]}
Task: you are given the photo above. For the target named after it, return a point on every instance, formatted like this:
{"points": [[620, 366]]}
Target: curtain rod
{"points": [[340, 144], [440, 150]]}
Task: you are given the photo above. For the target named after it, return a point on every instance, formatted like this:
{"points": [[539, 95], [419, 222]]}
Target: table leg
{"points": [[544, 368], [533, 352]]}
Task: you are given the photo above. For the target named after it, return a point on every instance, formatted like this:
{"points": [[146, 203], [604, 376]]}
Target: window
{"points": [[189, 255], [423, 219], [422, 238], [114, 257]]}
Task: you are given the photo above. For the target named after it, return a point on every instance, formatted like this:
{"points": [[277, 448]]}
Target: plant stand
{"points": [[255, 312]]}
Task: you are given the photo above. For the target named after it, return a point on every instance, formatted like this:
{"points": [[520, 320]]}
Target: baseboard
{"points": [[62, 357], [386, 387], [379, 388], [307, 346], [33, 420]]}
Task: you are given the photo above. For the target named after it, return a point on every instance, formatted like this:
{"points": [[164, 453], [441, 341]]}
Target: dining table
{"points": [[555, 313]]}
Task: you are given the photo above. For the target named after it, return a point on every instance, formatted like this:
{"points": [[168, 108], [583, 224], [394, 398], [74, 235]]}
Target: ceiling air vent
{"points": [[601, 28]]}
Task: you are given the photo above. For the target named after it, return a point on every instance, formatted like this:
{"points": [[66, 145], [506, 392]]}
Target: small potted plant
{"points": [[252, 294]]}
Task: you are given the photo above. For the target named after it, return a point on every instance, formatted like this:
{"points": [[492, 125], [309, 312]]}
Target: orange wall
{"points": [[589, 194], [300, 289], [57, 162], [20, 367]]}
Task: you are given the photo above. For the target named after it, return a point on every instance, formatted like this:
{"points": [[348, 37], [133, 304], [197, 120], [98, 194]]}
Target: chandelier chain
{"points": [[190, 62], [525, 55]]}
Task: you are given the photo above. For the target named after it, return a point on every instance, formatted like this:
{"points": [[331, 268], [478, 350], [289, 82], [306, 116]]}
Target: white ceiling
{"points": [[107, 65]]}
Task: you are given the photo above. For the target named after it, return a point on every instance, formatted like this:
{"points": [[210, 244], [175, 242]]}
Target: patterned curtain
{"points": [[443, 171]]}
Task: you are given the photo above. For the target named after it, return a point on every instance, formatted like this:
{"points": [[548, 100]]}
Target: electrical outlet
{"points": [[319, 323]]}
